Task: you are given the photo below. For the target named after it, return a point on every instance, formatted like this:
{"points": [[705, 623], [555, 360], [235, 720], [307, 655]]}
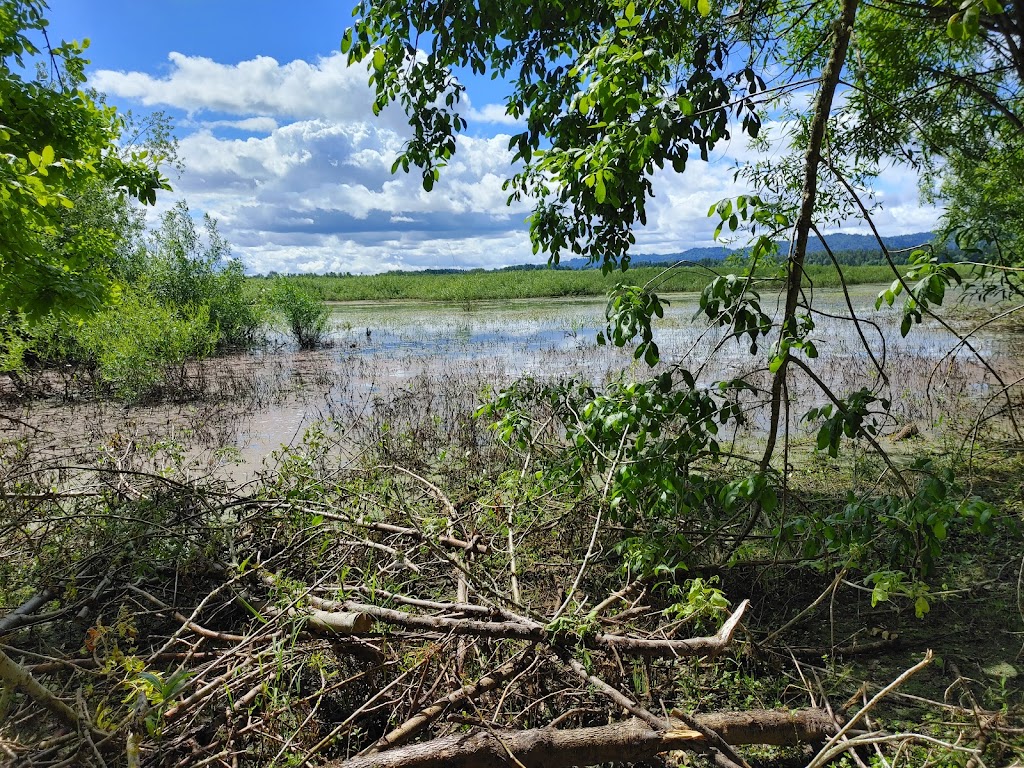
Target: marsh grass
{"points": [[539, 283]]}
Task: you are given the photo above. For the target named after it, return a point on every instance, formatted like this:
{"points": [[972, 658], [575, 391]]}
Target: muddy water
{"points": [[442, 358]]}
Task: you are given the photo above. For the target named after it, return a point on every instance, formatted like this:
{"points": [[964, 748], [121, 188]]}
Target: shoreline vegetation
{"points": [[479, 285]]}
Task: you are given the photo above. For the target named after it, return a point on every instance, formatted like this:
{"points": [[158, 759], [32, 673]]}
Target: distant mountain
{"points": [[839, 242]]}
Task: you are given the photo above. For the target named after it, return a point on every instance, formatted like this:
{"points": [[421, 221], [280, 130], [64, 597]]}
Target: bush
{"points": [[187, 269], [307, 318], [141, 345]]}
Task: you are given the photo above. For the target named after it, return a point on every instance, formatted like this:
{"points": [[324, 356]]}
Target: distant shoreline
{"points": [[548, 283]]}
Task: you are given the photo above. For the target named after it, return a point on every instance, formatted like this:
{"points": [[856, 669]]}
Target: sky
{"points": [[280, 145]]}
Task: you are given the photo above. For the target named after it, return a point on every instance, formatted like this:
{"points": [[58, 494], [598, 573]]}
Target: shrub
{"points": [[307, 318], [185, 268], [141, 345]]}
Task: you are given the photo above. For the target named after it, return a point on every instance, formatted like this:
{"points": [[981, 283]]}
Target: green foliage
{"points": [[57, 142], [306, 317], [181, 298], [952, 107], [699, 599], [731, 302], [845, 418], [611, 93], [478, 285], [650, 443], [884, 532], [591, 83], [141, 345], [185, 270], [930, 279], [157, 693], [630, 312]]}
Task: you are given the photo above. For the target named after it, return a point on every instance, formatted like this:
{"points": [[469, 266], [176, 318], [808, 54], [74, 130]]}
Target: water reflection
{"points": [[444, 357]]}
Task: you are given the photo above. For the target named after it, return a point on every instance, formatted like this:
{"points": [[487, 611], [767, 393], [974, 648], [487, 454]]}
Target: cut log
{"points": [[340, 622], [627, 741]]}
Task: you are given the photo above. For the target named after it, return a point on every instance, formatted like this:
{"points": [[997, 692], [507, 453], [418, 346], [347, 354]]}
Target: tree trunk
{"points": [[630, 740], [843, 30]]}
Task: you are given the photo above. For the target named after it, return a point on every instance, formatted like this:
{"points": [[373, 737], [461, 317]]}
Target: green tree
{"points": [[610, 91], [938, 86], [185, 268], [57, 142], [614, 91]]}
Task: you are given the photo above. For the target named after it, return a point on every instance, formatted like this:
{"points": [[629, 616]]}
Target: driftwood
{"points": [[629, 740]]}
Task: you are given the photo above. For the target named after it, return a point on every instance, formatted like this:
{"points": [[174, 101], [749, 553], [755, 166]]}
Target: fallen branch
{"points": [[17, 676], [426, 716], [721, 752], [692, 646], [829, 751], [22, 615], [627, 741]]}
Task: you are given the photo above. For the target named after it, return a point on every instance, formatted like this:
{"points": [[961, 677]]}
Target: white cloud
{"points": [[328, 88], [250, 124], [308, 186], [494, 114]]}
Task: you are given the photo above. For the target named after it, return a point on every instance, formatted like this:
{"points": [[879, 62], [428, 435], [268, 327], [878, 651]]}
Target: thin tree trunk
{"points": [[842, 31]]}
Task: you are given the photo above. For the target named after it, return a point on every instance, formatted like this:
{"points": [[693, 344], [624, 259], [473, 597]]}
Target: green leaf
{"points": [[378, 60], [824, 438], [921, 607], [955, 27], [703, 7], [972, 21], [905, 325]]}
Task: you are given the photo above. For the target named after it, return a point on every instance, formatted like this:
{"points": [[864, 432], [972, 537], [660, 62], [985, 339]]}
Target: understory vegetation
{"points": [[495, 567], [182, 298]]}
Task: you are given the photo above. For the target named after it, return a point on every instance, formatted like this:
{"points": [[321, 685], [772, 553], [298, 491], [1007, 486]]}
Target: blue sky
{"points": [[280, 145]]}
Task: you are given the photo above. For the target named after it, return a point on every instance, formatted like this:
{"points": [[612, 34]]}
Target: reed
{"points": [[478, 285]]}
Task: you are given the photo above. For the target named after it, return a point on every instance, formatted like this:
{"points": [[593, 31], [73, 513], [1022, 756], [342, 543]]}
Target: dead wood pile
{"points": [[371, 622]]}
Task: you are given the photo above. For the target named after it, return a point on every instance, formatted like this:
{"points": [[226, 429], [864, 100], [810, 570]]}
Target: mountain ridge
{"points": [[839, 242]]}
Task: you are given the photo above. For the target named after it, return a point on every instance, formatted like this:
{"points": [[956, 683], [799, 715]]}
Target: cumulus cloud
{"points": [[249, 124], [327, 88], [494, 114], [310, 187], [302, 181]]}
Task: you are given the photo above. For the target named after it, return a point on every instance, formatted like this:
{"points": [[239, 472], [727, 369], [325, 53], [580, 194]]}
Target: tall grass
{"points": [[540, 283]]}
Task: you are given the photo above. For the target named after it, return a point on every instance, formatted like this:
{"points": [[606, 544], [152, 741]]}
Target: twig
{"points": [[824, 755]]}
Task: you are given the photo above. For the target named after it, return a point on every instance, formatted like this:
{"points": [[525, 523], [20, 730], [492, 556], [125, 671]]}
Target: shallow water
{"points": [[440, 358]]}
